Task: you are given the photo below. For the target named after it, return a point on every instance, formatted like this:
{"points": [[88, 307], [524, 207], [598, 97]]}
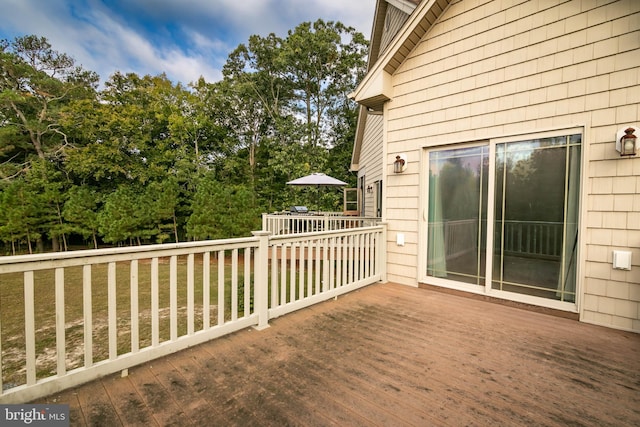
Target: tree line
{"points": [[147, 160]]}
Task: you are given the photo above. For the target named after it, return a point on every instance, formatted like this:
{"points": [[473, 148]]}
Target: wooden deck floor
{"points": [[385, 355]]}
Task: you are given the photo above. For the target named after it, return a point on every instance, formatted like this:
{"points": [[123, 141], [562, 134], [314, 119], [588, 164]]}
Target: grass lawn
{"points": [[12, 316]]}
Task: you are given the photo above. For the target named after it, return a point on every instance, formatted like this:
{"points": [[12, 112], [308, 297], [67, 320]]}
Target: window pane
{"points": [[537, 187], [457, 214]]}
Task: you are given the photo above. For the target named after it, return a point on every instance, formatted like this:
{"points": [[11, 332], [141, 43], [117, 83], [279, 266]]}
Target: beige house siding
{"points": [[393, 20], [371, 156], [489, 69], [612, 297], [370, 153]]}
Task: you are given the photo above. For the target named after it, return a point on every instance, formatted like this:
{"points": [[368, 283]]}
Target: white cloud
{"points": [[185, 39], [278, 16]]}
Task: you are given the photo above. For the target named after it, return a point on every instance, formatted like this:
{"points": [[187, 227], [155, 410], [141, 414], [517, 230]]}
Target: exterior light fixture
{"points": [[400, 164], [627, 145], [369, 189]]}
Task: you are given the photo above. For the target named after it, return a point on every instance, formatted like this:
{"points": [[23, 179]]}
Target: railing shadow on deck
{"points": [[68, 318]]}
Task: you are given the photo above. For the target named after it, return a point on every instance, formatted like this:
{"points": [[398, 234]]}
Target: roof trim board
{"points": [[407, 6], [376, 84], [376, 102]]}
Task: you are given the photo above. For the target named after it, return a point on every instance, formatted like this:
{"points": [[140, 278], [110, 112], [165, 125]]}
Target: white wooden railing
{"points": [[291, 223], [68, 318], [521, 238], [460, 237], [533, 238]]}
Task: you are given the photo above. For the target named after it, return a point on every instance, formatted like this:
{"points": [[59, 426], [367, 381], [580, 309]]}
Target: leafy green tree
{"points": [[192, 123], [36, 83], [221, 211], [122, 218], [18, 215], [196, 161], [31, 208], [129, 132], [259, 69], [161, 200], [290, 101], [342, 136], [80, 212], [256, 95], [48, 187], [149, 133], [323, 70]]}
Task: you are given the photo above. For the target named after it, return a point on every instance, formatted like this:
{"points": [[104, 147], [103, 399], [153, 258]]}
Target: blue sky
{"points": [[185, 39]]}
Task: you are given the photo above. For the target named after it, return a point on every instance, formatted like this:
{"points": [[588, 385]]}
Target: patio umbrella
{"points": [[317, 179]]}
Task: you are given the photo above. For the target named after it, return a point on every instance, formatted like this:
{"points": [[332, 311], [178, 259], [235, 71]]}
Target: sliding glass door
{"points": [[536, 216], [458, 214], [533, 220]]}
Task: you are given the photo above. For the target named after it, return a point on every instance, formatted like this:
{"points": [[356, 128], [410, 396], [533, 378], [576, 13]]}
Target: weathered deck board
{"points": [[384, 355]]}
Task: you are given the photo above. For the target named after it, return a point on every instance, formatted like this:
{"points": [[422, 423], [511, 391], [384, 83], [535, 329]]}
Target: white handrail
{"points": [[125, 306], [294, 223], [524, 238]]}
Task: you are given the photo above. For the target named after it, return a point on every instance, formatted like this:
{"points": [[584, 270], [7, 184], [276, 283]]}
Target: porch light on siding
{"points": [[627, 145], [400, 165]]}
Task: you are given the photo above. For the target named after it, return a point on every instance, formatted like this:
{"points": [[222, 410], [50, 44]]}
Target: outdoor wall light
{"points": [[369, 189], [627, 142], [400, 165]]}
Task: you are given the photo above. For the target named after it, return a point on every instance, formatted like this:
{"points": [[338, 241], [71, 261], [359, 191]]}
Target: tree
{"points": [[123, 216], [48, 186], [150, 160], [16, 222], [291, 101], [128, 131], [323, 70], [36, 83], [221, 211], [193, 123], [342, 136], [256, 95], [147, 133], [161, 201], [80, 212]]}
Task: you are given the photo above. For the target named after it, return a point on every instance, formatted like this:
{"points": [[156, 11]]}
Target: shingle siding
{"points": [[394, 19], [371, 155], [371, 151], [494, 68]]}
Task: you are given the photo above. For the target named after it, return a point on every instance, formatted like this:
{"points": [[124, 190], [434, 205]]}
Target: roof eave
{"points": [[375, 89]]}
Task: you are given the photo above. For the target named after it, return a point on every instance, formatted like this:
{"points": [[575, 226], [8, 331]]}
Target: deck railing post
{"points": [[382, 253], [261, 279]]}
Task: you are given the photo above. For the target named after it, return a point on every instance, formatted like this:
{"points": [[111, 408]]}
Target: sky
{"points": [[185, 39]]}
